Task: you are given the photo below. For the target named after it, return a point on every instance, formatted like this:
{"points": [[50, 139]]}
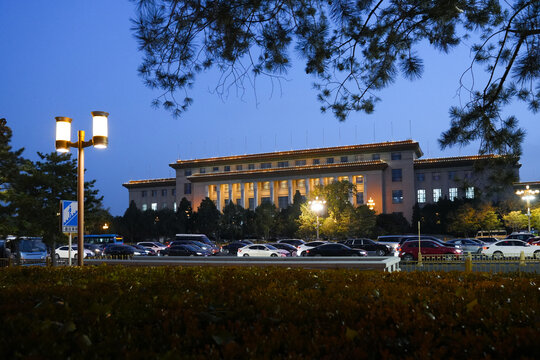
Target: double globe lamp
{"points": [[100, 140]]}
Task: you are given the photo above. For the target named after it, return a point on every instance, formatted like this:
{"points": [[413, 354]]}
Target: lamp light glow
{"points": [[63, 134], [100, 136]]}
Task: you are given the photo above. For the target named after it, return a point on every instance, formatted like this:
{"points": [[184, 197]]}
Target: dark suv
{"points": [[368, 245]]}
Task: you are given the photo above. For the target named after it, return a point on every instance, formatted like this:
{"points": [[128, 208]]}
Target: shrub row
{"points": [[268, 313]]}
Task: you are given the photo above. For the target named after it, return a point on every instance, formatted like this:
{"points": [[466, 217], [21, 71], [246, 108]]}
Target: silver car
{"points": [[468, 245]]}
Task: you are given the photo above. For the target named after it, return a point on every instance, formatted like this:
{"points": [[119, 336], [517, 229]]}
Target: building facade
{"points": [[390, 173]]}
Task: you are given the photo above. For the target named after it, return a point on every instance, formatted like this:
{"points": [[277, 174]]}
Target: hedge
{"points": [[265, 313]]}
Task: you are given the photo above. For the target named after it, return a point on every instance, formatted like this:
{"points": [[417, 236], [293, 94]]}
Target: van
{"points": [[498, 234], [26, 250]]}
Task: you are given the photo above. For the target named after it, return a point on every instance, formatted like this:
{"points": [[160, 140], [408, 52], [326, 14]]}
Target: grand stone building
{"points": [[392, 174]]}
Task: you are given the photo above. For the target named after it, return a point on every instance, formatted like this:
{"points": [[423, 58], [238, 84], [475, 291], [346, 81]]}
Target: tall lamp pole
{"points": [[528, 195], [100, 140], [317, 206]]}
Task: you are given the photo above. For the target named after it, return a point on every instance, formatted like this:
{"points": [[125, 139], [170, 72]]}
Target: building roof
{"points": [[302, 154], [522, 185], [290, 171], [149, 183], [455, 161]]}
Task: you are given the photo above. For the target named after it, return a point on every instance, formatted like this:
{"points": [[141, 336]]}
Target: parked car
{"points": [[198, 237], [261, 250], [62, 252], [390, 240], [334, 249], [147, 251], [409, 250], [533, 240], [95, 248], [184, 250], [467, 245], [309, 245], [122, 250], [293, 242], [156, 246], [523, 236], [510, 248], [26, 250], [232, 248], [199, 244], [285, 246], [369, 245], [487, 239]]}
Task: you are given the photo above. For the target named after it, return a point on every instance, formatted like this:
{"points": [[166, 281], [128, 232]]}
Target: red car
{"points": [[408, 251]]}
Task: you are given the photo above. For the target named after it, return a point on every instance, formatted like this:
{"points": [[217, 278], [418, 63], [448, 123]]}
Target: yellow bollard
{"points": [[522, 259], [468, 263]]}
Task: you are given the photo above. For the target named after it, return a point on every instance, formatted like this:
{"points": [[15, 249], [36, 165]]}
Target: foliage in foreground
{"points": [[174, 312]]}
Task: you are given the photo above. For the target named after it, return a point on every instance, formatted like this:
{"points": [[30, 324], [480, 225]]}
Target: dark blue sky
{"points": [[68, 58]]}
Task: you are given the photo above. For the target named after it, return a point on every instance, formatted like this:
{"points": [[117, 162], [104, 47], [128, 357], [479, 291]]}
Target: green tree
{"points": [[288, 218], [488, 219], [10, 166], [207, 219], [184, 217], [232, 221], [265, 218], [515, 220], [131, 224], [392, 224], [464, 221], [38, 189], [353, 49], [363, 223]]}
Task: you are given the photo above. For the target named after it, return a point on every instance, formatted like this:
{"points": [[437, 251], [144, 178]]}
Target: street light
{"points": [[105, 226], [371, 204], [528, 195], [317, 206], [100, 140]]}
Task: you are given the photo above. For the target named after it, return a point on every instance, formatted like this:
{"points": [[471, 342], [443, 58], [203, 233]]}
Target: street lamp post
{"points": [[317, 206], [100, 140], [528, 195]]}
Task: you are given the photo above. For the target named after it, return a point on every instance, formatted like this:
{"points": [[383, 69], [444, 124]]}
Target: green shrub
{"points": [[195, 312]]}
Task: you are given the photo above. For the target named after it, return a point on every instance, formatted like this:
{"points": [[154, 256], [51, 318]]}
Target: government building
{"points": [[390, 175]]}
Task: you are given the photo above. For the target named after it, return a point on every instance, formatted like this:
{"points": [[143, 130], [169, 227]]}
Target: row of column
{"points": [[291, 190]]}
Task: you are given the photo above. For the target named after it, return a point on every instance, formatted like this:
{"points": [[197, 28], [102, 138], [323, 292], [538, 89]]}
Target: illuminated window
{"points": [[421, 196], [266, 185], [283, 184], [154, 206], [397, 196], [301, 183], [360, 179], [453, 193], [469, 193], [437, 193], [144, 207]]}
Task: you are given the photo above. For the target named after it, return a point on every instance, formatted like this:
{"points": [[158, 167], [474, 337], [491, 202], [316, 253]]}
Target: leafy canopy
{"points": [[353, 49]]}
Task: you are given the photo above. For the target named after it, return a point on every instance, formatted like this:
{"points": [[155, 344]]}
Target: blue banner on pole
{"points": [[69, 216]]}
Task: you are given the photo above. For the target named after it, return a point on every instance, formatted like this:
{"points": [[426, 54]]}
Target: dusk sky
{"points": [[68, 58]]}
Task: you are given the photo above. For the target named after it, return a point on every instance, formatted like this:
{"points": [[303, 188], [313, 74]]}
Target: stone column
{"points": [[255, 195], [207, 190], [351, 200], [272, 200], [218, 193], [291, 195], [242, 195]]}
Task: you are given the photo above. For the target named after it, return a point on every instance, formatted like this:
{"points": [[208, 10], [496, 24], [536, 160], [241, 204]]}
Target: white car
{"points": [[510, 248], [63, 252], [310, 245], [156, 246], [261, 250]]}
